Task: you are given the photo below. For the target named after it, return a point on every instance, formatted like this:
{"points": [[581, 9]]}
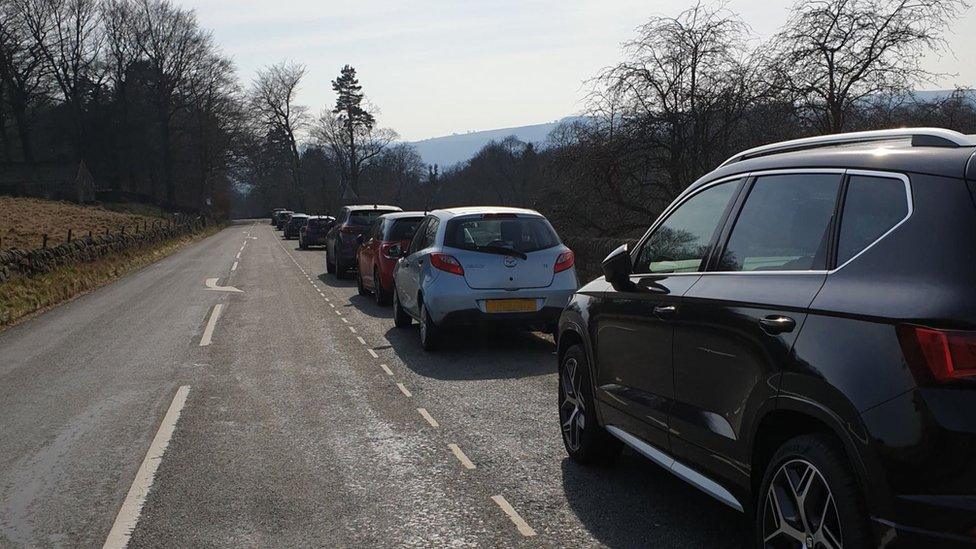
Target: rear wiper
{"points": [[502, 250]]}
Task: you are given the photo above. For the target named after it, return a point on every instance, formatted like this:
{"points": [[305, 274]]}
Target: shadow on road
{"points": [[635, 503], [475, 354]]}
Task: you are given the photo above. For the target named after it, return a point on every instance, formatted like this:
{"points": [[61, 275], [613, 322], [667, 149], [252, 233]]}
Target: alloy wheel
{"points": [[799, 510], [572, 411]]}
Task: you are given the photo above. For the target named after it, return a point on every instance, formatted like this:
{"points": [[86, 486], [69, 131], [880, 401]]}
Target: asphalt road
{"points": [[294, 427]]}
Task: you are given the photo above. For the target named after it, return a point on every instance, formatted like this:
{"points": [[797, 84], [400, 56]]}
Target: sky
{"points": [[435, 68]]}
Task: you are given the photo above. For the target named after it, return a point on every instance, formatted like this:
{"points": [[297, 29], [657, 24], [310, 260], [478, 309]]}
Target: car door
{"points": [[367, 251], [410, 266], [332, 235], [738, 322], [631, 329]]}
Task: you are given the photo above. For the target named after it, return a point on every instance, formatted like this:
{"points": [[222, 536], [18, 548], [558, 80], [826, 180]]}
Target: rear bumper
{"points": [[451, 302], [925, 489]]}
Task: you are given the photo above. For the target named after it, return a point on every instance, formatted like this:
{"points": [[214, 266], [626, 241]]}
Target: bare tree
{"points": [[354, 150], [833, 54], [21, 74], [68, 40], [273, 95], [174, 46]]}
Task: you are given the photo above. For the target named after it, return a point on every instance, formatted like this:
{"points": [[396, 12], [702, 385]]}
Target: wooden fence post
{"points": [[44, 243], [69, 235]]}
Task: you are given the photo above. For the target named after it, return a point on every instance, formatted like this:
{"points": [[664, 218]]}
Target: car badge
{"points": [[510, 261]]}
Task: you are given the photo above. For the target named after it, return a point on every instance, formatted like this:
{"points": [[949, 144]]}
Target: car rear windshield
{"points": [[403, 229], [365, 217], [523, 234], [317, 223]]}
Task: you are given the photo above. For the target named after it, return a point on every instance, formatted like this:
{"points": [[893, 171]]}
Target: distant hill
{"points": [[451, 149]]}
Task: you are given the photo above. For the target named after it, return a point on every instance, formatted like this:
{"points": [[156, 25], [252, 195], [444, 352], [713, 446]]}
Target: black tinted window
{"points": [[417, 242], [403, 229], [872, 206], [680, 243], [365, 217], [524, 234], [783, 225]]}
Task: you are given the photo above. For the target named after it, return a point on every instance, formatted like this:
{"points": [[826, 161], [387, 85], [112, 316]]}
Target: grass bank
{"points": [[24, 296]]}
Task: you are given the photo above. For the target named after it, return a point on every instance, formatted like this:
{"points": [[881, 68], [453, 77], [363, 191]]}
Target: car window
{"points": [[872, 206], [431, 231], [374, 229], [681, 242], [524, 234], [365, 217], [403, 229], [783, 225], [418, 239]]}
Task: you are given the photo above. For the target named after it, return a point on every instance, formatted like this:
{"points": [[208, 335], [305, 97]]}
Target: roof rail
{"points": [[921, 137]]}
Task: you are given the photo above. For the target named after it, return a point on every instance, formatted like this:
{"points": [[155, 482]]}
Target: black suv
{"points": [[343, 239], [295, 223], [796, 336]]}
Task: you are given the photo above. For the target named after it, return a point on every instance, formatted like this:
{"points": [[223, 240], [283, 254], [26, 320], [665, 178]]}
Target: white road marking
{"points": [[428, 417], [523, 527], [211, 284], [338, 312], [344, 319], [386, 369], [128, 517], [211, 324], [404, 390], [234, 268], [373, 354], [351, 329], [467, 463], [331, 305], [327, 299], [361, 340]]}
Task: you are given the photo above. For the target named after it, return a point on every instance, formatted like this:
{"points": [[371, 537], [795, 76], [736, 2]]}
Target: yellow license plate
{"points": [[510, 305]]}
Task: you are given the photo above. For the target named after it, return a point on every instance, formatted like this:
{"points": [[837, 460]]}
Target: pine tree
{"points": [[352, 116]]}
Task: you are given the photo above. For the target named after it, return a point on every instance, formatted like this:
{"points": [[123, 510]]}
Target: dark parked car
{"points": [[314, 231], [796, 336], [274, 215], [378, 255], [283, 219], [343, 239], [295, 223]]}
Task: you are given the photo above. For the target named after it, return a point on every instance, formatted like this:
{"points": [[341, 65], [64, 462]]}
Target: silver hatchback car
{"points": [[471, 266]]}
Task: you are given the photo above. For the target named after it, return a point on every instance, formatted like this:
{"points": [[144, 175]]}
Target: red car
{"points": [[374, 257]]}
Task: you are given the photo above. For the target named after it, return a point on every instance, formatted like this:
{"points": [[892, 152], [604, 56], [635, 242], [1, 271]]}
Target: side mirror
{"points": [[394, 251], [617, 268]]}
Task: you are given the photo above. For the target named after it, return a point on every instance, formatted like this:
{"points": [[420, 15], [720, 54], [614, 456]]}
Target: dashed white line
{"points": [[331, 305], [403, 389], [128, 517], [373, 354], [430, 419], [211, 324], [238, 256], [234, 268], [338, 312], [523, 527], [467, 463], [361, 340], [386, 369], [351, 329], [344, 319]]}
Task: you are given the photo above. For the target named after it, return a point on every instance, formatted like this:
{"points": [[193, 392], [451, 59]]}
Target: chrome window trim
{"points": [[744, 175], [908, 197]]}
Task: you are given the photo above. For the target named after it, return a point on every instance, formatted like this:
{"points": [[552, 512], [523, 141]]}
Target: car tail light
{"points": [[945, 354], [565, 260], [447, 263]]}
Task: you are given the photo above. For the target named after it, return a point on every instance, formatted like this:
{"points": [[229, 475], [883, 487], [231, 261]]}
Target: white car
{"points": [[469, 266]]}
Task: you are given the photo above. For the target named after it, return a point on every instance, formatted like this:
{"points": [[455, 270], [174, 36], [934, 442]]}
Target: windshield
{"points": [[522, 234], [365, 217]]}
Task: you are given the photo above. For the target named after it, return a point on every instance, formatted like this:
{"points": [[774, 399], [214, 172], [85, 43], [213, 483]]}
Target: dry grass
{"points": [[24, 221], [23, 296]]}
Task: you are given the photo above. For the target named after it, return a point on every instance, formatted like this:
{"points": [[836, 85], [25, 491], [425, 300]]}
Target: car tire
{"points": [[382, 296], [400, 317], [429, 332], [585, 440], [816, 465], [360, 286]]}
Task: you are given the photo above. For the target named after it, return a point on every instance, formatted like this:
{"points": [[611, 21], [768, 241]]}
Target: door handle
{"points": [[777, 324], [665, 312]]}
